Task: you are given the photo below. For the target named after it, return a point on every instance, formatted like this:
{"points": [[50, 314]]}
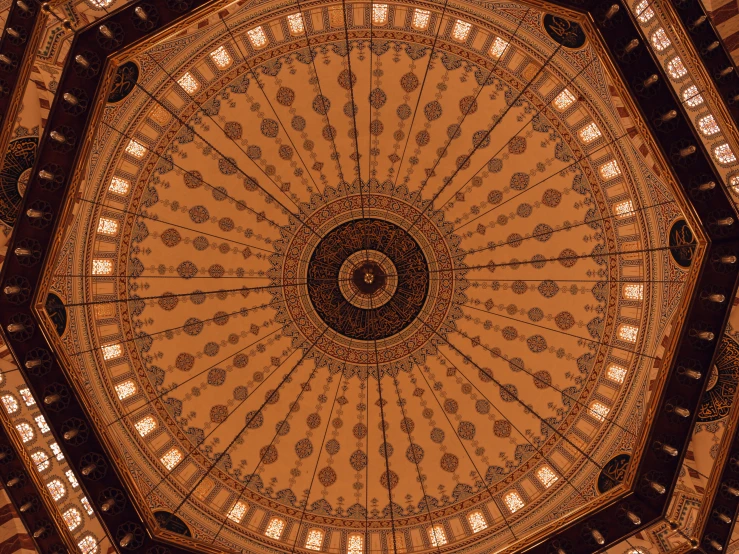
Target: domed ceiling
{"points": [[410, 280]]}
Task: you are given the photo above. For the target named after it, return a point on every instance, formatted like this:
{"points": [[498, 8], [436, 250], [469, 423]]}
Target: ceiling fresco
{"points": [[411, 289]]}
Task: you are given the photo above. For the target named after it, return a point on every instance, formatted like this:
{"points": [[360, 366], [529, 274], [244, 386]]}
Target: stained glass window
{"points": [[599, 411], [609, 170], [257, 37], [221, 57], [660, 40], [616, 373], [40, 460], [461, 30], [643, 12], [564, 100], [107, 226], [71, 478], [86, 505], [102, 267], [237, 512], [146, 425], [355, 544], [708, 126], [498, 48], [314, 540], [125, 389], [379, 14], [628, 332], [25, 431], [112, 351], [42, 425], [589, 133], [734, 183], [172, 458], [546, 475], [295, 24], [675, 68], [56, 488], [10, 403], [27, 397], [633, 291], [189, 83], [421, 19], [119, 186], [723, 154], [136, 149], [437, 536], [691, 96], [88, 545], [624, 209], [56, 451], [514, 501], [477, 522], [72, 518], [275, 528]]}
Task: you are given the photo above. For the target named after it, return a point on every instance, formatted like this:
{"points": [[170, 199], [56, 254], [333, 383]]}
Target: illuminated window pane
{"points": [[546, 476], [42, 425], [628, 332], [10, 403], [136, 149], [355, 544], [513, 501], [172, 458], [609, 170], [57, 451], [723, 154], [107, 226], [295, 24], [56, 488], [86, 505], [27, 397], [237, 512], [314, 541], [564, 100], [71, 478], [599, 411], [708, 125], [477, 522], [660, 41], [734, 183], [88, 545], [643, 12], [160, 115], [691, 96], [624, 209], [112, 351], [25, 431], [146, 425], [461, 30], [40, 460], [189, 83], [72, 518], [275, 528], [589, 133], [119, 186], [336, 16], [257, 37], [221, 57], [437, 536], [498, 48], [421, 19], [633, 291], [616, 373], [379, 14], [676, 68], [102, 267], [125, 389]]}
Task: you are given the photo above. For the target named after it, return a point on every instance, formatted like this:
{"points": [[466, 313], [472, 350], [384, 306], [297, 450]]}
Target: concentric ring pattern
{"points": [[399, 280]]}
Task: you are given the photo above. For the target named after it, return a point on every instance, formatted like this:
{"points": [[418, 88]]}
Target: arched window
{"points": [[514, 501], [88, 545], [56, 488], [314, 540], [237, 512], [10, 403], [437, 536], [25, 431], [355, 544], [477, 521], [275, 528], [41, 460], [546, 476], [72, 518]]}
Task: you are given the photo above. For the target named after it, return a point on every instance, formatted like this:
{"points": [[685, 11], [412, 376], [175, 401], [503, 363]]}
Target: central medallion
{"points": [[368, 279]]}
